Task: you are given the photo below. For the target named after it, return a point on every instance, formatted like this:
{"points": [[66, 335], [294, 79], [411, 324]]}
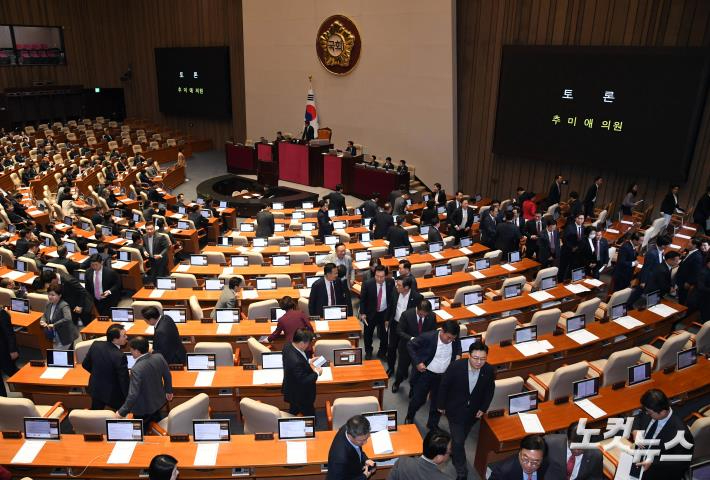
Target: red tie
{"points": [[419, 326], [332, 294], [379, 297], [570, 466]]}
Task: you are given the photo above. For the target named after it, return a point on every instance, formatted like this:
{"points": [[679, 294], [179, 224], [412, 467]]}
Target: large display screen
{"points": [[621, 108], [194, 81]]}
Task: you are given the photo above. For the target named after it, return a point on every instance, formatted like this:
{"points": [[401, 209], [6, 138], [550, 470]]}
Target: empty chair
{"points": [[326, 347], [508, 282], [621, 296], [282, 280], [588, 308], [449, 241], [179, 420], [224, 353], [7, 257], [184, 280], [31, 264], [461, 292], [13, 410], [546, 320], [255, 258], [557, 384], [541, 274], [260, 417], [90, 421], [299, 257], [6, 295], [665, 356], [342, 409], [215, 258], [196, 311], [702, 338], [615, 368], [378, 252], [38, 301], [494, 255], [505, 387], [500, 331], [261, 309], [420, 269], [418, 247], [135, 256], [139, 305], [700, 429], [276, 241], [458, 264], [256, 349]]}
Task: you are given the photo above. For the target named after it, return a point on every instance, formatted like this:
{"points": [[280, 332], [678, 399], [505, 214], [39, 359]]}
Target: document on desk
{"points": [[361, 265], [576, 288], [437, 256], [582, 336], [627, 222], [304, 292], [268, 376], [684, 237], [322, 326], [593, 282], [283, 249], [296, 452], [541, 295], [662, 310], [612, 230], [227, 270], [156, 293], [326, 376], [465, 251], [150, 330], [224, 328], [509, 267], [204, 379], [206, 454], [530, 348], [590, 408], [477, 275], [381, 442], [444, 314], [28, 451], [122, 452], [476, 310], [250, 294], [628, 322], [531, 423], [118, 264], [366, 244], [116, 240], [54, 373], [13, 275], [183, 268]]}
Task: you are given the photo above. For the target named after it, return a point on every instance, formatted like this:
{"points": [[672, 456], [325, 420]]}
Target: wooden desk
{"points": [[447, 254], [26, 278], [251, 271], [265, 459], [268, 251], [181, 295], [28, 332], [499, 436]]}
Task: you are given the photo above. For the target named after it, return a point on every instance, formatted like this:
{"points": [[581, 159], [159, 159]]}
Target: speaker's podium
{"points": [[267, 154], [240, 158], [303, 164]]}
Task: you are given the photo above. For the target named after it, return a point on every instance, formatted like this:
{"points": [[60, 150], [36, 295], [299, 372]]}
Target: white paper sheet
{"points": [[663, 310], [183, 268], [529, 348], [465, 251], [119, 264], [366, 244], [326, 376], [627, 222], [582, 336], [227, 270], [304, 292], [116, 240], [576, 288], [150, 330], [612, 230], [13, 275], [296, 452], [443, 314], [628, 322], [531, 423], [509, 267], [476, 310], [437, 256], [541, 295], [250, 294], [590, 408], [381, 442], [127, 325], [364, 265], [623, 469], [206, 454], [283, 249], [477, 275], [156, 293], [674, 246], [28, 451], [269, 376], [122, 452], [322, 326], [54, 373], [204, 379], [684, 237], [224, 328], [593, 282], [545, 345]]}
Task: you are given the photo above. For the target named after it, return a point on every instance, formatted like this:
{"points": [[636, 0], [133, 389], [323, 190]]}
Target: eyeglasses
{"points": [[531, 462], [478, 359]]}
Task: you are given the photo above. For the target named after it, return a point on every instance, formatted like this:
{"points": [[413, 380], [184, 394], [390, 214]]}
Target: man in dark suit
{"points": [[569, 256], [166, 338], [436, 450], [151, 384], [396, 193], [625, 262], [326, 291], [653, 258], [22, 244], [351, 148], [308, 132], [415, 312], [461, 221], [397, 236], [572, 463], [103, 285], [669, 205], [8, 349], [527, 464], [532, 231], [658, 421], [434, 235], [336, 200], [575, 207], [62, 259], [155, 249], [325, 225], [507, 235], [701, 213], [431, 354], [555, 194], [346, 458], [438, 194], [300, 375], [382, 222], [368, 209], [687, 275], [453, 205], [661, 278], [108, 382], [464, 396], [593, 252], [590, 198], [377, 298], [488, 227], [265, 223]]}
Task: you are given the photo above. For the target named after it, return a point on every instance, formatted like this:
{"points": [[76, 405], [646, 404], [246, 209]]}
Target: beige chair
{"points": [[215, 258], [510, 281], [494, 256], [458, 264], [299, 257], [139, 305], [7, 257], [461, 292], [6, 295], [700, 429], [420, 269], [261, 309], [665, 356], [13, 410], [260, 417], [282, 280], [52, 241], [135, 256], [196, 311], [326, 347], [500, 331], [379, 252], [224, 353], [179, 420], [82, 348], [542, 273], [255, 258], [621, 296], [85, 421], [31, 264], [418, 247], [38, 301], [59, 267], [342, 409], [701, 340], [615, 368], [546, 320], [557, 384], [505, 387], [184, 280], [276, 241], [256, 348], [588, 308]]}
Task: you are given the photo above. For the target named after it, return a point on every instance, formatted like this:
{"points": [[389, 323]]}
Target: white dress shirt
{"points": [[402, 301], [442, 357], [577, 463]]}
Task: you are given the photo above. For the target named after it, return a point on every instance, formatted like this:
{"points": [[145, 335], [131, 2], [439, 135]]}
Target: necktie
{"points": [[570, 466], [539, 227], [419, 325], [379, 297], [599, 256], [552, 241], [530, 476], [579, 233], [97, 285], [332, 294], [150, 246]]}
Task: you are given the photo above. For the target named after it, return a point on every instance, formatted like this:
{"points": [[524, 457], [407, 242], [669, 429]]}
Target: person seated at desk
{"points": [[528, 464], [346, 458], [300, 375], [308, 132], [572, 463], [388, 164], [290, 321], [229, 297], [163, 467], [370, 161], [429, 213], [436, 450], [351, 148], [402, 168], [33, 254], [13, 216]]}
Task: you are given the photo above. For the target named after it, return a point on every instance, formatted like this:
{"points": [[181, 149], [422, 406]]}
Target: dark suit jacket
{"points": [[488, 230], [457, 217], [343, 460], [689, 269], [8, 344], [368, 209], [575, 208], [531, 228], [150, 381], [21, 247], [554, 195], [398, 237], [591, 467], [265, 224], [423, 348], [408, 325], [109, 281], [325, 226], [589, 200], [571, 240], [308, 133], [299, 385], [434, 235], [336, 201], [507, 237], [510, 469], [660, 279], [381, 224], [439, 197], [451, 207], [166, 341], [109, 373], [650, 260], [669, 204], [543, 246], [428, 216], [319, 296], [368, 297], [666, 470], [624, 270], [588, 254], [460, 405], [702, 211]]}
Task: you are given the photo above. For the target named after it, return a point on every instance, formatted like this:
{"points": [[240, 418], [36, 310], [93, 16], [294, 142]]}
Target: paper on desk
{"points": [[326, 376], [53, 254], [264, 377], [250, 294], [663, 310], [530, 348], [28, 451], [204, 379], [283, 249], [361, 265], [465, 251], [531, 423], [304, 292], [127, 325], [322, 326], [590, 408], [116, 240], [118, 264], [674, 246], [183, 268], [227, 270], [296, 452], [612, 230], [366, 244], [381, 442], [628, 322], [156, 293], [13, 275], [224, 328], [206, 454], [54, 373], [443, 314], [582, 336], [150, 330], [509, 267], [437, 256], [476, 310], [174, 230], [576, 288], [176, 215], [593, 282], [545, 345], [627, 222], [541, 295], [477, 275], [684, 237], [122, 452]]}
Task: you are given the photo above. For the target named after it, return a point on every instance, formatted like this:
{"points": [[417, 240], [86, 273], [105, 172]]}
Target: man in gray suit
{"points": [[155, 249], [340, 257], [151, 384], [228, 297], [436, 450], [572, 464], [400, 204], [265, 223]]}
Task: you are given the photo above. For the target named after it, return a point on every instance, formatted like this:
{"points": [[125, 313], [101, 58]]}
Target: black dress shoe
{"points": [[408, 420], [395, 387]]}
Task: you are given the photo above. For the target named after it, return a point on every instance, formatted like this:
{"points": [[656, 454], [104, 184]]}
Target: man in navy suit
{"points": [[527, 464], [548, 244], [464, 396], [687, 275], [625, 262], [346, 458], [108, 368], [166, 338], [431, 354], [653, 257], [569, 256]]}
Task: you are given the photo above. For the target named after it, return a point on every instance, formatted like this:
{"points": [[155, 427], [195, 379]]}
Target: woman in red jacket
{"points": [[290, 321], [529, 207]]}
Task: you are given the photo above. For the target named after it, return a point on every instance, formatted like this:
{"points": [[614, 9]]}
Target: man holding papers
{"points": [[464, 396], [300, 375], [436, 450], [346, 458]]}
